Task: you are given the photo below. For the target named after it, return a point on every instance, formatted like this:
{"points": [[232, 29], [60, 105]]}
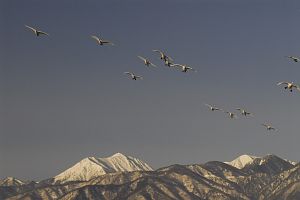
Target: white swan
{"points": [[295, 59], [244, 112], [101, 41], [212, 108], [37, 32], [231, 114], [269, 127], [147, 62], [184, 68], [289, 85], [163, 56], [133, 76]]}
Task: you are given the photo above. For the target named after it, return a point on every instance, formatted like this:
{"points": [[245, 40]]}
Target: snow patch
{"points": [[92, 167], [241, 161]]}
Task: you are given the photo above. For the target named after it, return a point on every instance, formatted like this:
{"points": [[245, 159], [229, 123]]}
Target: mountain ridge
{"points": [[92, 167], [264, 178]]}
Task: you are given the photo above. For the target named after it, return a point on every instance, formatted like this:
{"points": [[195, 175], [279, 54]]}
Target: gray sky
{"points": [[64, 98]]}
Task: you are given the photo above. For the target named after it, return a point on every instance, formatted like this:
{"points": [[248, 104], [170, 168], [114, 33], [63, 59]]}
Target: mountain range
{"points": [[124, 177]]}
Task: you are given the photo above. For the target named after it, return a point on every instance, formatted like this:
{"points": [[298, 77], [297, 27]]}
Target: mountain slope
{"points": [[241, 161], [92, 167], [265, 178], [11, 181], [270, 164]]}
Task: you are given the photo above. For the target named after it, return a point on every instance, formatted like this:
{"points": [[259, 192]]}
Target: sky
{"points": [[64, 98]]}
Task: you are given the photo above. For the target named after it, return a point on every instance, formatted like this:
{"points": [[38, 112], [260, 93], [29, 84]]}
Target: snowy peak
{"points": [[121, 162], [11, 181], [92, 167], [270, 164], [118, 155], [241, 161]]}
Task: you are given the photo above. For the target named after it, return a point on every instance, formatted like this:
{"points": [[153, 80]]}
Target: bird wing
{"points": [[155, 50], [128, 73], [33, 29], [208, 105], [251, 114], [177, 65], [159, 51], [95, 37], [44, 33], [107, 42], [265, 125], [140, 77], [144, 59], [153, 64], [297, 87], [280, 83]]}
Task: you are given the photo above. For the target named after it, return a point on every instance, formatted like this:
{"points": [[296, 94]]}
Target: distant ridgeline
{"points": [[124, 177]]}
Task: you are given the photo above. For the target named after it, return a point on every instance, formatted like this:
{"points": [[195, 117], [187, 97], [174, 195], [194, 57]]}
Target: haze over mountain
{"points": [[124, 177]]}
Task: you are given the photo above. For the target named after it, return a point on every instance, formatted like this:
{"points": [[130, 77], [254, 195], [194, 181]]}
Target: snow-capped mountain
{"points": [[241, 161], [92, 167], [270, 164], [261, 178]]}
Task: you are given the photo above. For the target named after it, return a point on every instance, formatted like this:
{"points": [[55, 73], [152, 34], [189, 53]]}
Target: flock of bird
{"points": [[242, 111], [288, 86], [169, 62]]}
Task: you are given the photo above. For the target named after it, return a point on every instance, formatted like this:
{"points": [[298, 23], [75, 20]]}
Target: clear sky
{"points": [[64, 98]]}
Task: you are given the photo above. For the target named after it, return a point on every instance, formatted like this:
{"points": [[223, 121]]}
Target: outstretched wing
{"points": [[107, 42], [140, 77], [153, 64], [177, 65], [250, 114], [159, 51], [208, 105], [142, 58], [281, 83], [129, 73], [33, 29], [95, 37], [43, 33]]}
